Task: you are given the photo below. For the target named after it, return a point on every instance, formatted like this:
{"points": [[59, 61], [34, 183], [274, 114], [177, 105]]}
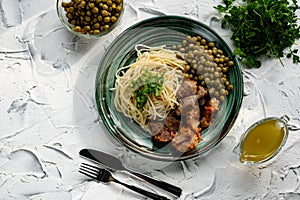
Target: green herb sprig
{"points": [[146, 85], [262, 28]]}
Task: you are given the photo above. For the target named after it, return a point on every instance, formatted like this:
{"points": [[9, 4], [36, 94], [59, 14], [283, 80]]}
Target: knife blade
{"points": [[114, 163]]}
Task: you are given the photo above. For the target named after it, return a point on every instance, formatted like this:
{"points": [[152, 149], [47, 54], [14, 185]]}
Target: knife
{"points": [[114, 163]]}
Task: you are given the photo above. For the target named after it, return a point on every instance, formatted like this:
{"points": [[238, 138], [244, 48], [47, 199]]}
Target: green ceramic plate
{"points": [[166, 30]]}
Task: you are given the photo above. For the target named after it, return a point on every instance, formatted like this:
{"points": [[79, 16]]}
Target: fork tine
{"points": [[88, 165], [87, 174], [95, 172], [89, 170]]}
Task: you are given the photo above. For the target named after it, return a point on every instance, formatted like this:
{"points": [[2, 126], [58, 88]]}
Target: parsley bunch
{"points": [[146, 85], [262, 28]]}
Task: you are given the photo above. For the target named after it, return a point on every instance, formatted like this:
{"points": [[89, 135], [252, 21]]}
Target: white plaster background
{"points": [[48, 113]]}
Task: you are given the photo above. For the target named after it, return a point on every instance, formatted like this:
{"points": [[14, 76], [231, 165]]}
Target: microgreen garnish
{"points": [[262, 28], [146, 85]]}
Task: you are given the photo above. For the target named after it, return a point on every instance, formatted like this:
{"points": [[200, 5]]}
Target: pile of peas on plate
{"points": [[92, 16], [207, 65]]}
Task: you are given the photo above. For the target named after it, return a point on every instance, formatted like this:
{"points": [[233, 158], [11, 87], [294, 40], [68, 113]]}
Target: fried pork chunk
{"points": [[182, 126], [209, 110], [172, 123], [190, 112], [192, 119], [156, 127], [187, 88], [160, 133], [185, 140], [201, 93]]}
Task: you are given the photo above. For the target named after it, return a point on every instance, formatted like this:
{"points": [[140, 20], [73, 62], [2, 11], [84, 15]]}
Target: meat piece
{"points": [[192, 119], [178, 111], [160, 133], [164, 136], [188, 103], [156, 127], [209, 110], [202, 92], [202, 102], [185, 140], [190, 111], [187, 88], [212, 107], [214, 103], [172, 124], [205, 122]]}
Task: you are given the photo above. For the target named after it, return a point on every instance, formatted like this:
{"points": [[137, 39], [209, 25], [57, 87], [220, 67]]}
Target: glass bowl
{"points": [[89, 25], [169, 31]]}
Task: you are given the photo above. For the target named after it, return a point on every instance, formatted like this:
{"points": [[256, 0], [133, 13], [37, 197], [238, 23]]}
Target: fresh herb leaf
{"points": [[262, 28], [146, 85]]}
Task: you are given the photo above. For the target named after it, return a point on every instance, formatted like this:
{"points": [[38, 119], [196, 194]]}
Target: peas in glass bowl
{"points": [[90, 18]]}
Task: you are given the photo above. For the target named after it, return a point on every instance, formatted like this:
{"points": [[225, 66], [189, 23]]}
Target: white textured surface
{"points": [[48, 113]]}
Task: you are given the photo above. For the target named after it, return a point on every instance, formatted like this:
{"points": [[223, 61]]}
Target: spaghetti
{"points": [[159, 62]]}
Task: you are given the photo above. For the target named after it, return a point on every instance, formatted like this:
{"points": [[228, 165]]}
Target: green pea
{"points": [[106, 19], [113, 19]]}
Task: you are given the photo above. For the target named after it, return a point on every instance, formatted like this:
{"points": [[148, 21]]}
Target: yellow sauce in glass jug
{"points": [[263, 140]]}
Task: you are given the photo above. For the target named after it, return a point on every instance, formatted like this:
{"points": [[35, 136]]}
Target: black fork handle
{"points": [[161, 184], [143, 192]]}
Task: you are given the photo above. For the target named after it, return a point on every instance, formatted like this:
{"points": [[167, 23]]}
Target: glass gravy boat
{"points": [[264, 139]]}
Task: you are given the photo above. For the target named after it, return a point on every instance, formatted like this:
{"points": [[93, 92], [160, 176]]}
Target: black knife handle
{"points": [[161, 184], [143, 192]]}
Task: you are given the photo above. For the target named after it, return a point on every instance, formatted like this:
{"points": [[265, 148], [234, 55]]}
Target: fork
{"points": [[102, 175]]}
